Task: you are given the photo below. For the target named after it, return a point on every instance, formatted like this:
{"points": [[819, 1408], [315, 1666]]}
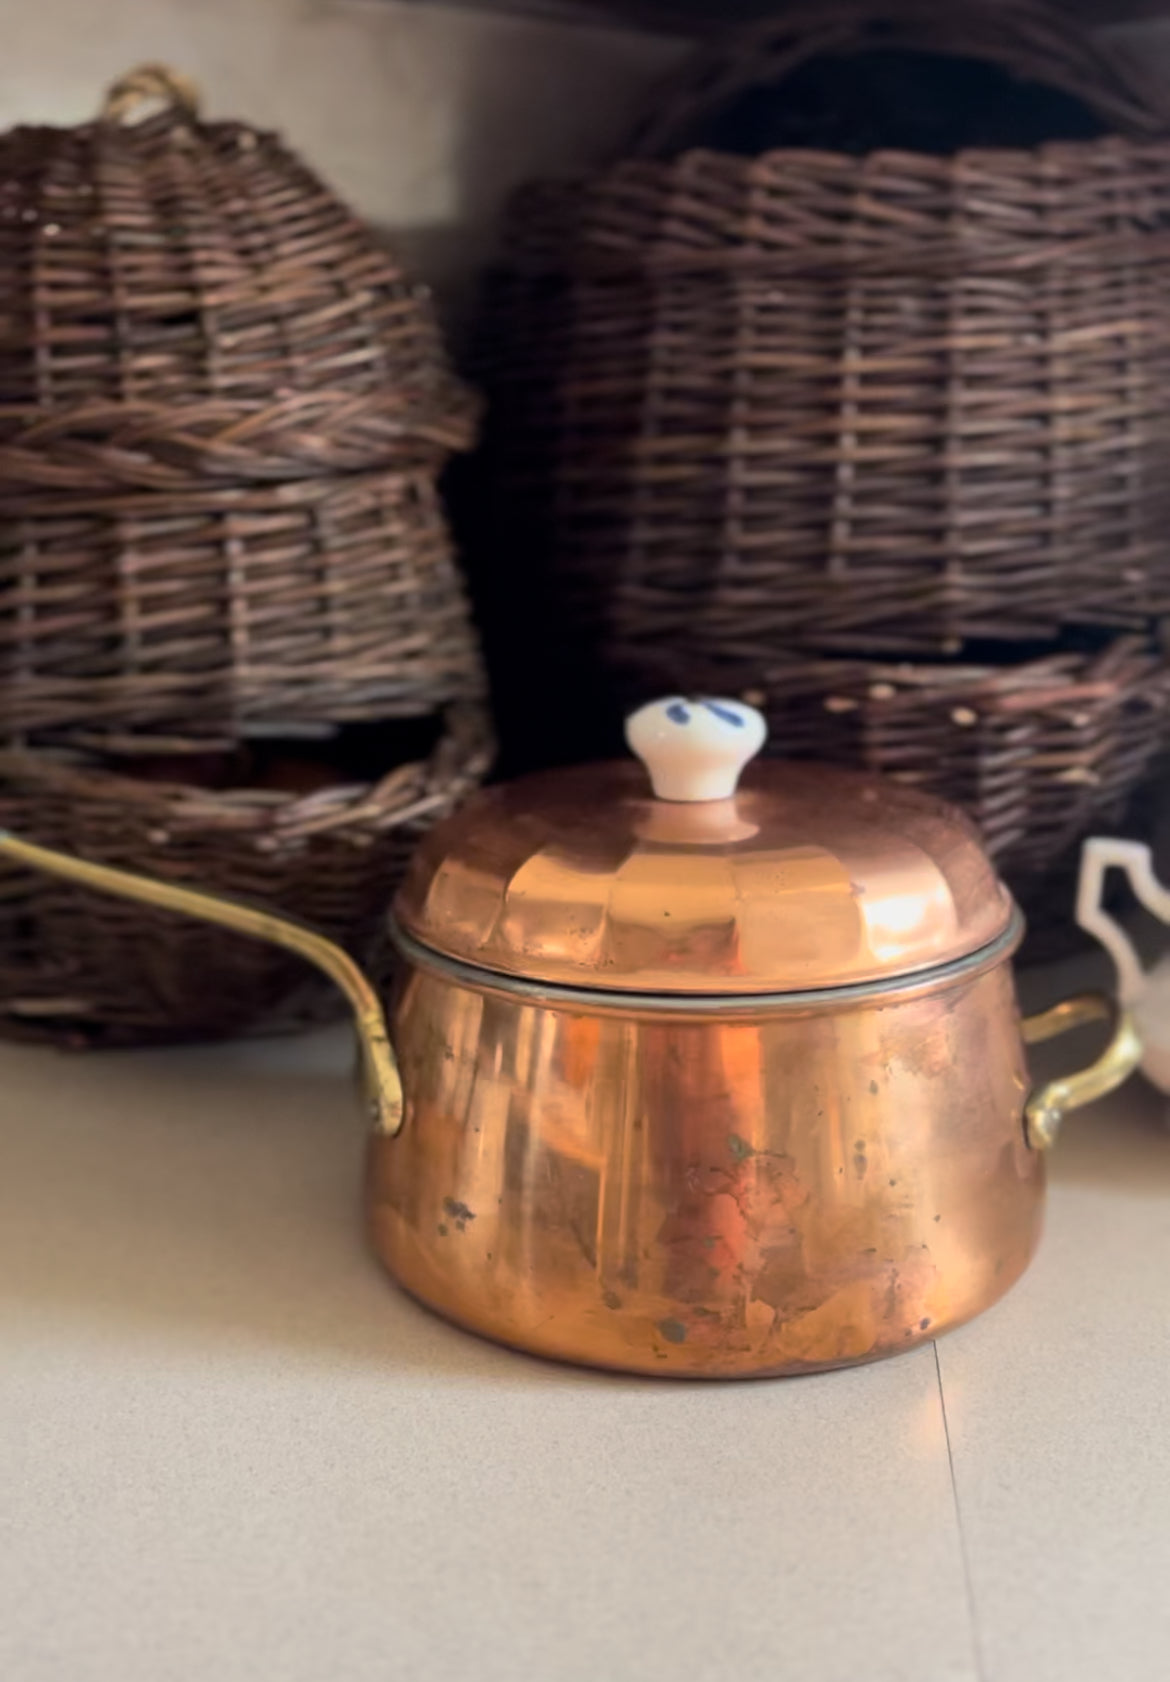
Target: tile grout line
{"points": [[976, 1643]]}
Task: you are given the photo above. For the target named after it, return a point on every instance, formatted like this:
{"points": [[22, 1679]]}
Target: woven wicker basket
{"points": [[205, 611], [222, 410], [83, 969], [1038, 753], [897, 403]]}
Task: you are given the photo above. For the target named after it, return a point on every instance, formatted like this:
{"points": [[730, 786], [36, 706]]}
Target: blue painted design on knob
{"points": [[725, 713], [677, 713]]}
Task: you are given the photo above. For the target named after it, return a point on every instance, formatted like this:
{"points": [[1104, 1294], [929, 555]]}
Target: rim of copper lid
{"points": [[619, 1001]]}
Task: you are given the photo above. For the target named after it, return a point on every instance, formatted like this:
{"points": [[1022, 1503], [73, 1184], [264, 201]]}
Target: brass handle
{"points": [[1048, 1105], [382, 1077]]}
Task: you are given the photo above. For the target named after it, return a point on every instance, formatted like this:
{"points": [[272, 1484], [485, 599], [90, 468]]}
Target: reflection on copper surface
{"points": [[807, 878], [775, 1192]]}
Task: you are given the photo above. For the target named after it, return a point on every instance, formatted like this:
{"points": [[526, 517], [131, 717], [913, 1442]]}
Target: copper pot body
{"points": [[766, 1189], [723, 1186]]}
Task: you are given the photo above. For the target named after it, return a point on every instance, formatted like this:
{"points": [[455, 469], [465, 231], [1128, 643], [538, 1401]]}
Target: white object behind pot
{"points": [[1146, 993]]}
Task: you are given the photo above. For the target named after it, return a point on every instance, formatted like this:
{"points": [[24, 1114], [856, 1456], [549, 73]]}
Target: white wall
{"points": [[422, 117]]}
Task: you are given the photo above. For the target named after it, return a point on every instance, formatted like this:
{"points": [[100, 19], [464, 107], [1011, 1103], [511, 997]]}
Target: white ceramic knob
{"points": [[695, 750]]}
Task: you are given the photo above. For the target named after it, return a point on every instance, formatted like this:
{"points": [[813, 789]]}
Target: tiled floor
{"points": [[230, 1449]]}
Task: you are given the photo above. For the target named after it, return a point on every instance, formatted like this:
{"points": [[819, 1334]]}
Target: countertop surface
{"points": [[230, 1449]]}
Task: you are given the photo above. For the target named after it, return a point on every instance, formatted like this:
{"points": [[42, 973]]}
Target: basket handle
{"points": [[1027, 37], [151, 84]]}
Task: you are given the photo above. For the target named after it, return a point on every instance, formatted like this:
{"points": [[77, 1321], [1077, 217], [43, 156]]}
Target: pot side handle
{"points": [[381, 1069], [1048, 1105]]}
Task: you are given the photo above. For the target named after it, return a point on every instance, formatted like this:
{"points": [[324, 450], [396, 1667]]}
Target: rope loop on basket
{"points": [[151, 84]]}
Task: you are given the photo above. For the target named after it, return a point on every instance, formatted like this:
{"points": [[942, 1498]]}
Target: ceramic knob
{"points": [[695, 750]]}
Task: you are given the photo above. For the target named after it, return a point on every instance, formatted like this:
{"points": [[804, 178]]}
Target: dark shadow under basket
{"points": [[1037, 753], [81, 968]]}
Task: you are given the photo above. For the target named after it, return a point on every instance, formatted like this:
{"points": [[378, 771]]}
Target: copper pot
{"points": [[713, 1081]]}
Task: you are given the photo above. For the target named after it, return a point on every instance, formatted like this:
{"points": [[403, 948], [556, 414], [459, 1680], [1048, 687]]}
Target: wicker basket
{"points": [[204, 611], [163, 261], [223, 407], [83, 969], [1038, 753], [893, 404]]}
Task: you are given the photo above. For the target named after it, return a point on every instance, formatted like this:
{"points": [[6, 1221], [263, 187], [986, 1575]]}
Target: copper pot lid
{"points": [[680, 876]]}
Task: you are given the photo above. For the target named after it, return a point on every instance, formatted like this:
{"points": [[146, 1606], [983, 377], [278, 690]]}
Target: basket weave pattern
{"points": [[223, 412], [334, 598], [858, 435], [174, 259], [896, 404], [78, 967], [224, 407]]}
